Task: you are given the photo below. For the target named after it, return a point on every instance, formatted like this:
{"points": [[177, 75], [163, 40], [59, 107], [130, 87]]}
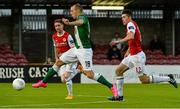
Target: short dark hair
{"points": [[128, 12], [59, 21], [77, 5]]}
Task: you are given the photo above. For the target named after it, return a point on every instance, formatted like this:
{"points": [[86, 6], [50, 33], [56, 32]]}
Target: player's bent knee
{"points": [[119, 71], [63, 80], [66, 75], [89, 74], [144, 80], [59, 62]]}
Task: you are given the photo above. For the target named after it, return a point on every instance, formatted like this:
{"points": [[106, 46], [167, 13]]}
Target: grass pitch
{"points": [[89, 96]]}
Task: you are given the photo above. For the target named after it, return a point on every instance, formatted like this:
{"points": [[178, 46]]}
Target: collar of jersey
{"points": [[61, 34], [81, 14]]}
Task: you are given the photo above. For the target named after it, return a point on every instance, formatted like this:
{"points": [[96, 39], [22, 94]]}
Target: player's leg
{"points": [[66, 57], [70, 73], [147, 79], [73, 70], [120, 70], [100, 78], [64, 74], [139, 63], [85, 58], [51, 72], [69, 85]]}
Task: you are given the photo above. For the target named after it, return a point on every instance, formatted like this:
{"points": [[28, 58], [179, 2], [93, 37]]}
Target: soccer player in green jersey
{"points": [[82, 52]]}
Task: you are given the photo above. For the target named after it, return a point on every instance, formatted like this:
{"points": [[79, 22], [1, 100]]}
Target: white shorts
{"points": [[67, 68], [137, 61], [84, 56]]}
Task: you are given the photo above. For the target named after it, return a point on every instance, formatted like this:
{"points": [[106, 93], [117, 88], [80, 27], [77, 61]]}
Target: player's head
{"points": [[76, 10], [126, 16], [58, 25], [116, 34]]}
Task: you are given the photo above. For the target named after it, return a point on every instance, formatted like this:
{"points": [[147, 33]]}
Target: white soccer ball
{"points": [[18, 84]]}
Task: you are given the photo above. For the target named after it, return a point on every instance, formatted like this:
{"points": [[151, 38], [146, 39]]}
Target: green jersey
{"points": [[82, 33]]}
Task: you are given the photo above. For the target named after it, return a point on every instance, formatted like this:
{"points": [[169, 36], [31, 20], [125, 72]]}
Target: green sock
{"points": [[102, 80], [51, 73]]}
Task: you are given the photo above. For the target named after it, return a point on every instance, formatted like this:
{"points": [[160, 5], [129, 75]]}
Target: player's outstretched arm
{"points": [[130, 35], [73, 23], [77, 22]]}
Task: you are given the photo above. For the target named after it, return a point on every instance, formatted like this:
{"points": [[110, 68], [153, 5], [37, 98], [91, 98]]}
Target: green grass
{"points": [[89, 96]]}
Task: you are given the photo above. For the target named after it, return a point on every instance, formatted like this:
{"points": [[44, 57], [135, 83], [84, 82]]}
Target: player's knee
{"points": [[59, 62], [144, 80], [119, 71], [89, 74], [66, 75], [63, 80]]}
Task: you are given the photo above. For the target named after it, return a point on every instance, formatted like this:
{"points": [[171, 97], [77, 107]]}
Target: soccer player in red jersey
{"points": [[134, 57], [62, 43]]}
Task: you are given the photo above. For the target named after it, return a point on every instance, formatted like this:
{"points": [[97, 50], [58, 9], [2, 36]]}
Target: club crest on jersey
{"points": [[64, 39]]}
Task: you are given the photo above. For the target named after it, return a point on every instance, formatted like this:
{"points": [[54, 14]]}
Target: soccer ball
{"points": [[18, 84]]}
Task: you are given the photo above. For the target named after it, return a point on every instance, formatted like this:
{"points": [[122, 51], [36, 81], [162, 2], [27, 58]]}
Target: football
{"points": [[18, 84]]}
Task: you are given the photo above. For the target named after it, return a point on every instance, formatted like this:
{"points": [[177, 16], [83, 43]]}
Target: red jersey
{"points": [[134, 44], [61, 42]]}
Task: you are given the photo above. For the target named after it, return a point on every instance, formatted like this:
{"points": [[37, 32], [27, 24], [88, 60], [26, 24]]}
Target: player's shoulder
{"points": [[54, 35], [66, 33], [83, 17], [131, 25]]}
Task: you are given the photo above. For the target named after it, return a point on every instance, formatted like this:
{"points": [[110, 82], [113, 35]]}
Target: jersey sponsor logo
{"points": [[58, 44]]}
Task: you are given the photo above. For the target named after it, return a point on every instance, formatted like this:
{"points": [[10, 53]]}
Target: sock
{"points": [[75, 71], [51, 73], [99, 78], [69, 87], [119, 85], [158, 79]]}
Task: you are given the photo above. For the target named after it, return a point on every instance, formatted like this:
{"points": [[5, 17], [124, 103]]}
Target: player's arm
{"points": [[78, 22], [127, 53], [55, 51], [129, 36], [130, 33], [71, 41]]}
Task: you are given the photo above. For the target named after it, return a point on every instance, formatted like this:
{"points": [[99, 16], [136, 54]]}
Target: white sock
{"points": [[69, 87], [119, 84], [96, 76], [158, 79], [55, 67], [75, 71]]}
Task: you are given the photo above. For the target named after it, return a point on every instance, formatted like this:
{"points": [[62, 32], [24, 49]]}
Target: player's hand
{"points": [[65, 21], [126, 54], [113, 43]]}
